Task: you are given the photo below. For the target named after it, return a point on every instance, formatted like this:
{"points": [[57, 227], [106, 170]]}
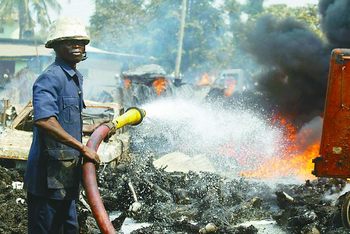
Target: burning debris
{"points": [[295, 74], [236, 141], [143, 84], [165, 201], [206, 202]]}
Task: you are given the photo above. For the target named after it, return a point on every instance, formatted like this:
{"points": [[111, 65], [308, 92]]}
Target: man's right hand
{"points": [[52, 126], [90, 154]]}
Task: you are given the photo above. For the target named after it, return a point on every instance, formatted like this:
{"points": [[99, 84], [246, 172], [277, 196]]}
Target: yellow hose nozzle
{"points": [[132, 116]]}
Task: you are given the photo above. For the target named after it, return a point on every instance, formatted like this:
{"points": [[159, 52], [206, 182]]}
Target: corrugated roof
{"points": [[22, 50]]}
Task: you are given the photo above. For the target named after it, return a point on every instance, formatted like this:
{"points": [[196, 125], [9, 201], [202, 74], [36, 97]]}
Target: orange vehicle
{"points": [[334, 159]]}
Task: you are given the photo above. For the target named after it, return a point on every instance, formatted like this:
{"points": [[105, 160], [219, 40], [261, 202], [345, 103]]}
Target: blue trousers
{"points": [[51, 216]]}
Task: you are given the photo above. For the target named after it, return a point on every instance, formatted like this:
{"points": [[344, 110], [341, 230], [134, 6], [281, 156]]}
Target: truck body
{"points": [[334, 159]]}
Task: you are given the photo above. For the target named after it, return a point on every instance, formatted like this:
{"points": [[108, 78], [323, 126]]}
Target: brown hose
{"points": [[90, 183]]}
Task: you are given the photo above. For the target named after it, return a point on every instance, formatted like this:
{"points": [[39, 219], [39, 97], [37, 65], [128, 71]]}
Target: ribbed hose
{"points": [[90, 183]]}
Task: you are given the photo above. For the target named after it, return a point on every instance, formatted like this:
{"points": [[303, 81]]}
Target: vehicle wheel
{"points": [[345, 210]]}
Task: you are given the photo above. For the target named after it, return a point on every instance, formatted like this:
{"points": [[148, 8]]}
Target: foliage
{"points": [[151, 28], [115, 24], [253, 7], [28, 13], [214, 33], [204, 36], [308, 14]]}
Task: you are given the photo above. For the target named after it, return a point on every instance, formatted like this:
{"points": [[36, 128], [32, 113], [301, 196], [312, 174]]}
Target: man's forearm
{"points": [[53, 128]]}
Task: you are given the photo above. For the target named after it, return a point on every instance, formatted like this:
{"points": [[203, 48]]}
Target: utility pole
{"points": [[180, 42]]}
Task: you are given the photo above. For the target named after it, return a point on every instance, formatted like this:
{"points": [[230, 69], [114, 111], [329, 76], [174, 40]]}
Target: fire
{"points": [[298, 165], [160, 85], [205, 80], [295, 160], [231, 84], [127, 83], [289, 133]]}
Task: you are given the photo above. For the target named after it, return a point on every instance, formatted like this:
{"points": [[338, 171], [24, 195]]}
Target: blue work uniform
{"points": [[53, 172]]}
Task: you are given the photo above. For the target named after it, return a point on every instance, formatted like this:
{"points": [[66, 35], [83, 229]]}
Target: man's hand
{"points": [[52, 126], [90, 154]]}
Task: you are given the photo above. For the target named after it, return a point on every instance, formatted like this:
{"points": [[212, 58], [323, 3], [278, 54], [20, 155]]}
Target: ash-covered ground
{"points": [[177, 202], [13, 206]]}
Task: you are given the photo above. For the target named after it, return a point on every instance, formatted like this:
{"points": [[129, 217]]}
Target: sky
{"points": [[83, 9]]}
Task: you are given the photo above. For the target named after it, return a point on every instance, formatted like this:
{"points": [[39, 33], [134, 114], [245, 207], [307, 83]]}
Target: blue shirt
{"points": [[53, 168]]}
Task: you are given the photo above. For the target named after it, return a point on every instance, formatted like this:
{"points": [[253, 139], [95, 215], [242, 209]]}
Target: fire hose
{"points": [[133, 116]]}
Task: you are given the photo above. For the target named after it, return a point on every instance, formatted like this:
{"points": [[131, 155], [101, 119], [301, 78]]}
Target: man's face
{"points": [[71, 51]]}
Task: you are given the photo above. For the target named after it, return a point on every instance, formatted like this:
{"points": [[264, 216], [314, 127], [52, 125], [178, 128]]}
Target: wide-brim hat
{"points": [[66, 28]]}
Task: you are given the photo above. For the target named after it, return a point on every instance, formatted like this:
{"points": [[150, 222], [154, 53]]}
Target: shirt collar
{"points": [[70, 71], [79, 75]]}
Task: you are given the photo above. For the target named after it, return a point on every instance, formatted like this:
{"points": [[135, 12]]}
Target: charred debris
{"points": [[177, 202]]}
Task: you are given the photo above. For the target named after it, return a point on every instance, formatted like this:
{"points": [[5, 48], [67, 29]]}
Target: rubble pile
{"points": [[13, 206], [176, 202], [186, 202], [313, 207]]}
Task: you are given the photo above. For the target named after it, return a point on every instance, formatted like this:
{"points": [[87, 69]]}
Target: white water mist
{"points": [[237, 139]]}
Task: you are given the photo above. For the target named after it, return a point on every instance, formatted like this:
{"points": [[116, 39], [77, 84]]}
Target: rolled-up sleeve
{"points": [[45, 97]]}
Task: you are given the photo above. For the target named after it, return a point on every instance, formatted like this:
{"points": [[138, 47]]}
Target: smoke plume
{"points": [[296, 64], [335, 21]]}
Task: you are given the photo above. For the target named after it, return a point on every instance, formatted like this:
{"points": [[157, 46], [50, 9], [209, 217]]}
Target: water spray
{"points": [[234, 138]]}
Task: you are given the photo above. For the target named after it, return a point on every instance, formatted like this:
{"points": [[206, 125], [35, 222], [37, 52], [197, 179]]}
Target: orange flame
{"points": [[231, 84], [127, 83], [205, 80], [289, 133], [160, 85], [295, 160], [298, 165]]}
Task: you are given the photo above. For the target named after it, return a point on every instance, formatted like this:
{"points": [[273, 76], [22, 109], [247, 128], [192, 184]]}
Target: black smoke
{"points": [[296, 60], [335, 21], [296, 66]]}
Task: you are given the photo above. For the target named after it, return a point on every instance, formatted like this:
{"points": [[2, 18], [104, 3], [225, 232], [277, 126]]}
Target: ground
{"points": [[178, 202]]}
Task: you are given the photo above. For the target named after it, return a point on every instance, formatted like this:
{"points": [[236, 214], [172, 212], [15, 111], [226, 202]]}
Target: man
{"points": [[53, 172]]}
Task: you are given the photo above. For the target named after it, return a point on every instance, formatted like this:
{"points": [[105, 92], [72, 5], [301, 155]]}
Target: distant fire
{"points": [[127, 83], [230, 87], [205, 80], [160, 85], [294, 161]]}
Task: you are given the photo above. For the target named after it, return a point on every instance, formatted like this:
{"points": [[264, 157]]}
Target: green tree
{"points": [[28, 12], [253, 7], [236, 30], [151, 28], [306, 14], [117, 25], [146, 28], [242, 19], [204, 37]]}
